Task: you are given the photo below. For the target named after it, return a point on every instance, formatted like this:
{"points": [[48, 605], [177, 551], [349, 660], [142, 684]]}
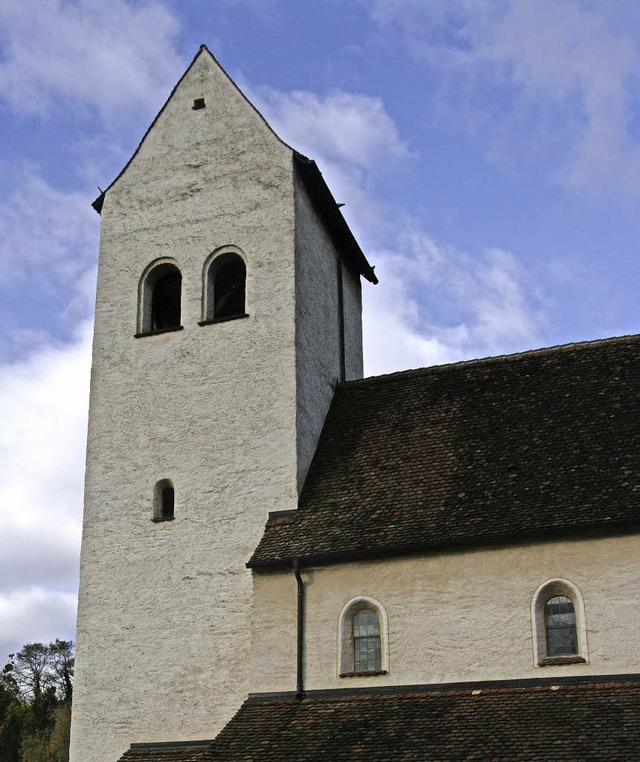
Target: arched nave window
{"points": [[362, 638], [558, 619]]}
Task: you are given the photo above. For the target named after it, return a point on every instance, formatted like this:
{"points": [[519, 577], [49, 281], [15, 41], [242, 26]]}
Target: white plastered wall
{"points": [[318, 325], [452, 617], [164, 608]]}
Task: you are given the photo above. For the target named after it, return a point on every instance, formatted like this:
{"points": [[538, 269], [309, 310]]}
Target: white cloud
{"points": [[434, 304], [350, 136], [567, 73], [345, 127], [37, 615], [45, 233], [566, 54], [439, 305], [111, 56], [43, 414]]}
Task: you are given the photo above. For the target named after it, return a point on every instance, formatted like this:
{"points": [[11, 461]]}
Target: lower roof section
{"points": [[562, 719], [178, 751]]}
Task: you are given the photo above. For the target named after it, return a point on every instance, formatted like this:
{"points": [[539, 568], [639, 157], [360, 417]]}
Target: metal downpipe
{"points": [[300, 633]]}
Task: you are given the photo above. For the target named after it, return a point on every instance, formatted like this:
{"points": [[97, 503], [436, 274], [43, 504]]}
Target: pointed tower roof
{"points": [[318, 190]]}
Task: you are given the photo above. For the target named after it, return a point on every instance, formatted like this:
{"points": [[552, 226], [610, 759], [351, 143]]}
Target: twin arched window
{"points": [[559, 632], [223, 292]]}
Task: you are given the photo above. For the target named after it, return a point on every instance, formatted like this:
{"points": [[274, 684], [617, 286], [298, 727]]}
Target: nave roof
{"points": [[512, 448]]}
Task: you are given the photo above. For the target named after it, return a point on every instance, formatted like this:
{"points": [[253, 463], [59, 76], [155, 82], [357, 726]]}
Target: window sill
{"points": [[160, 330], [223, 319], [368, 673], [557, 661], [162, 518]]}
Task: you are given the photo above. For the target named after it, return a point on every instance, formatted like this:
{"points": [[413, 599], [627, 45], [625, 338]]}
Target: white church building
{"points": [[283, 561]]}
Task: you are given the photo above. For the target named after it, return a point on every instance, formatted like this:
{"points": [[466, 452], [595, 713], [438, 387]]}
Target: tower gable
{"points": [[208, 124]]}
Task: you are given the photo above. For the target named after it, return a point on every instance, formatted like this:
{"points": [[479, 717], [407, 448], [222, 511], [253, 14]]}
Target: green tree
{"points": [[31, 669], [11, 732], [49, 747], [61, 664], [36, 687], [61, 733]]}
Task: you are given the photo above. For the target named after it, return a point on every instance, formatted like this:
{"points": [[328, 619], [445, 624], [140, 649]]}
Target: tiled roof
{"points": [[194, 751], [565, 722], [479, 451]]}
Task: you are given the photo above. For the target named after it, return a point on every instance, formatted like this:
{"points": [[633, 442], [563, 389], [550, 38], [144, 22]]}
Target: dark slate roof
{"points": [[561, 722], [505, 448]]}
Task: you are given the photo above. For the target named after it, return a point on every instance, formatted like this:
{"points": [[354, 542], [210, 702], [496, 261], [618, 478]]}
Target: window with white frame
{"points": [[558, 620], [362, 638]]}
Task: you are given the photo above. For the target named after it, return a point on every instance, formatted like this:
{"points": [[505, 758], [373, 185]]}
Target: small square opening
{"points": [[198, 103]]}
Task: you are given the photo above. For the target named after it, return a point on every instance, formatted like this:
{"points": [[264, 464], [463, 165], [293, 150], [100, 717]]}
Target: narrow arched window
{"points": [[366, 641], [558, 618], [228, 288], [362, 639], [560, 626], [160, 298], [225, 277], [163, 501], [165, 301]]}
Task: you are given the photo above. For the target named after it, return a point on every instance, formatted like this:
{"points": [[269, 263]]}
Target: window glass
{"points": [[366, 641], [560, 625]]}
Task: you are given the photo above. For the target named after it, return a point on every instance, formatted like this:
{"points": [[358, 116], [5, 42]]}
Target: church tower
{"points": [[228, 305]]}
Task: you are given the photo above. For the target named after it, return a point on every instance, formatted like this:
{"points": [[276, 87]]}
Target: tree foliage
{"points": [[36, 688]]}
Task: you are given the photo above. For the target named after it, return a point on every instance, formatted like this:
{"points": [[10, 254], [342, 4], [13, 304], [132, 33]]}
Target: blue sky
{"points": [[488, 155]]}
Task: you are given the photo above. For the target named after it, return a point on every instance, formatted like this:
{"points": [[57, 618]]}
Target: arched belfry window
{"points": [[362, 639], [224, 287], [558, 620], [160, 298], [164, 501]]}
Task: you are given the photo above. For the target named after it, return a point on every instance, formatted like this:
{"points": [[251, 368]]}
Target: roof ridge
{"points": [[490, 359]]}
